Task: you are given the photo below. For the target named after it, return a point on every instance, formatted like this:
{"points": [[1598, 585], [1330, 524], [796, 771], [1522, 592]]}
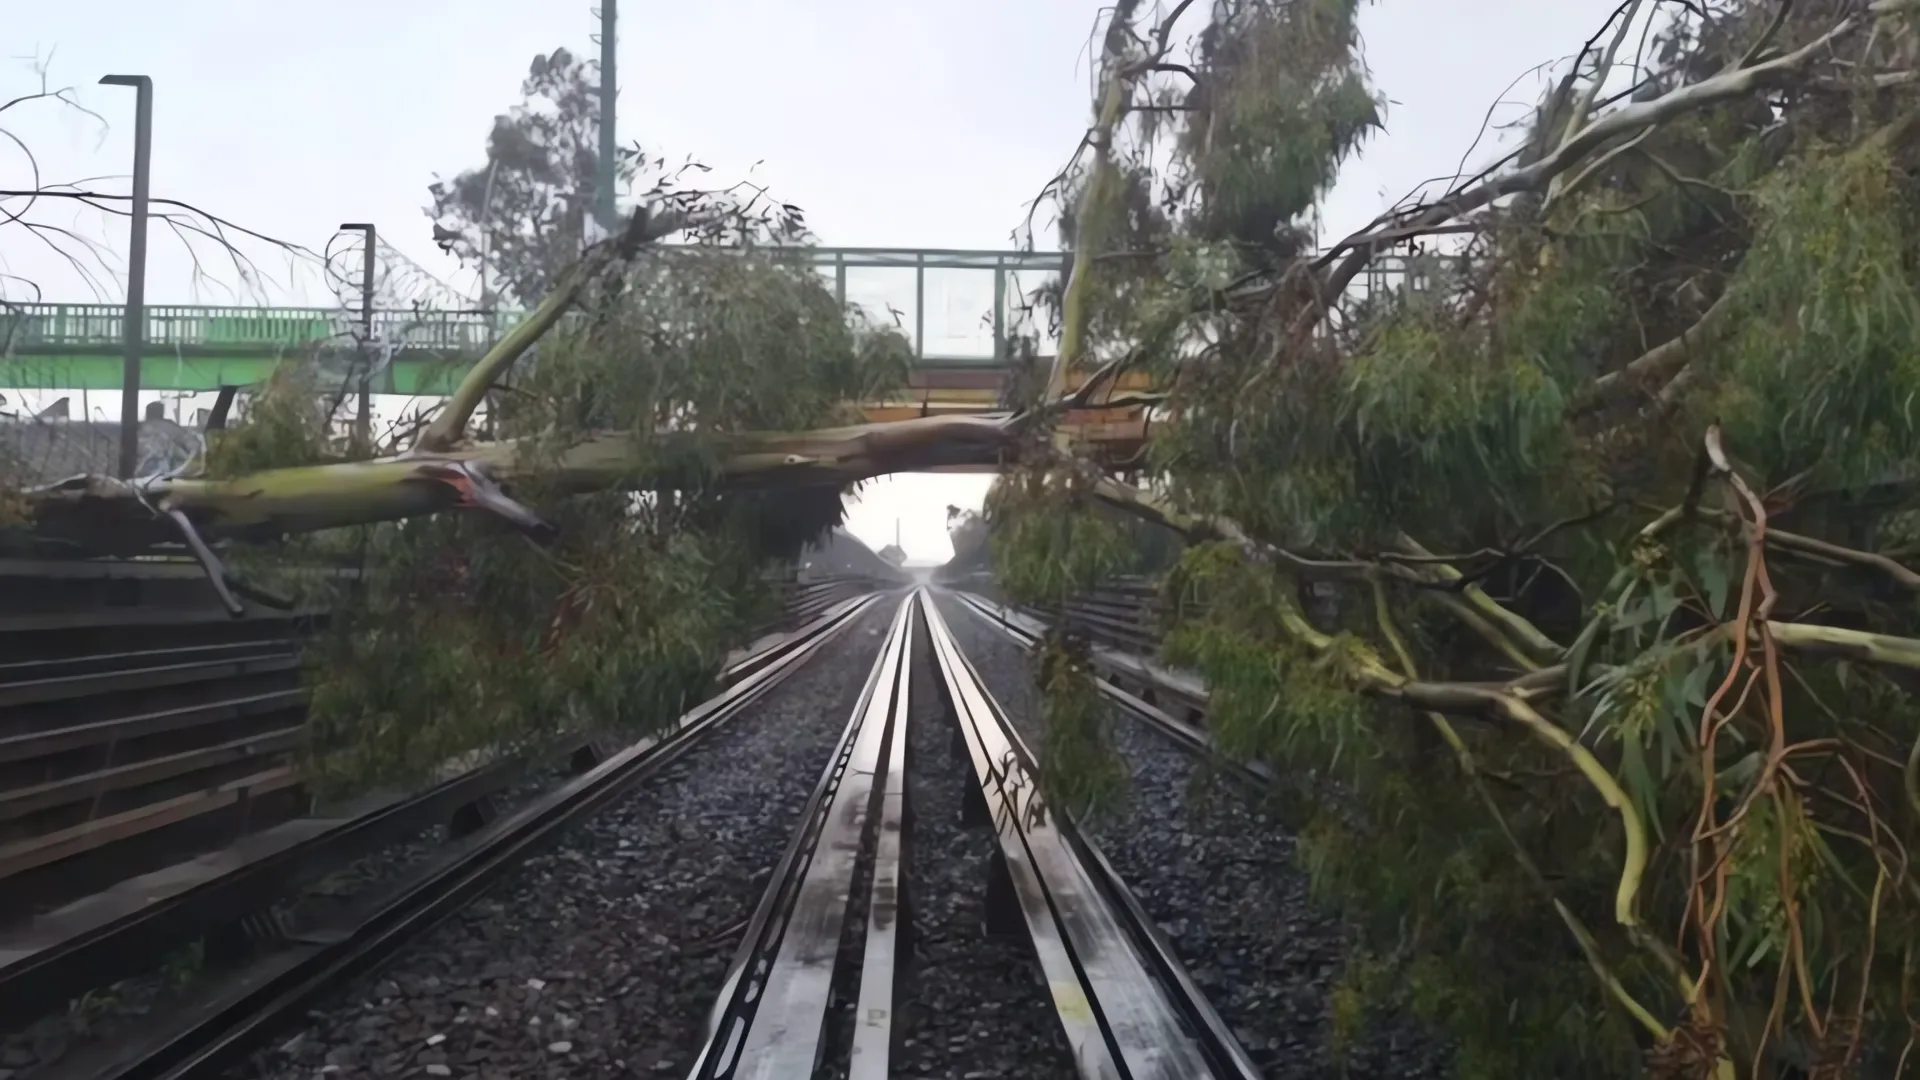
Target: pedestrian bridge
{"points": [[194, 348]]}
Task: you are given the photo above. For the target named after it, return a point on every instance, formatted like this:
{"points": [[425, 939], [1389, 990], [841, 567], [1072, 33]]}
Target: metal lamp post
{"points": [[134, 321], [363, 419]]}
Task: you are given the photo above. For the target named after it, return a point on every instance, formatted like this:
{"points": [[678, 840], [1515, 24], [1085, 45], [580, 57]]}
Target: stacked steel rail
{"points": [[139, 723]]}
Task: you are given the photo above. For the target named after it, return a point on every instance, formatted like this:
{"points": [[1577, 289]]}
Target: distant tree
{"points": [[525, 209]]}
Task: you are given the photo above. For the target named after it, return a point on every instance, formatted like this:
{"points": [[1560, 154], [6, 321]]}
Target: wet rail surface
{"points": [[816, 987], [972, 1002], [1216, 870], [1125, 1001], [770, 1019]]}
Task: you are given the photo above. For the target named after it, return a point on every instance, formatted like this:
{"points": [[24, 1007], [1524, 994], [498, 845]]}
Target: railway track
{"points": [[825, 977], [771, 1013], [1123, 1002], [218, 1030], [1198, 839], [1126, 1002]]}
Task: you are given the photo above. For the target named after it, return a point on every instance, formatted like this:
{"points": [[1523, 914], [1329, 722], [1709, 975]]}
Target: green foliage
{"points": [[1393, 837], [1531, 414], [463, 639], [1268, 698], [1826, 371], [709, 343], [1046, 549], [1282, 99], [1079, 766], [285, 425]]}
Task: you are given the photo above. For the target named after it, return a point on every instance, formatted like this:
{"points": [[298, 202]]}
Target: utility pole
{"points": [[133, 325], [363, 419], [486, 243], [609, 148]]}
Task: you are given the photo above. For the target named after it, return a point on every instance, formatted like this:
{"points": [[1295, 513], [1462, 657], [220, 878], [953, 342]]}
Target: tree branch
{"points": [[1525, 637], [1576, 146], [1115, 93], [1657, 365], [1603, 65], [109, 516], [449, 427]]}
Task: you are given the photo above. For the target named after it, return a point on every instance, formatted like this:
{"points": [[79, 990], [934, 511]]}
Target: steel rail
{"points": [[284, 986], [1026, 631], [873, 1012], [769, 1017], [1128, 1008]]}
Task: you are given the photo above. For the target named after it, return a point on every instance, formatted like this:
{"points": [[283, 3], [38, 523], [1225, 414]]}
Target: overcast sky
{"points": [[899, 123]]}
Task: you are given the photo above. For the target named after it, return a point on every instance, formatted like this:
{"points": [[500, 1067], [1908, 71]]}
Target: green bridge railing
{"points": [[193, 347], [45, 330], [55, 329]]}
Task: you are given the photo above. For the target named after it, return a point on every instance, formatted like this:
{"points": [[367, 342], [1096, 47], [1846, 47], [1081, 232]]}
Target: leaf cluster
{"points": [[460, 637], [1505, 473]]}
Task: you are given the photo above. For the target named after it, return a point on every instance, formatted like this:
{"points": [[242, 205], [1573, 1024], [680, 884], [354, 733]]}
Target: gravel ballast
{"points": [[1218, 876], [969, 1005], [602, 956]]}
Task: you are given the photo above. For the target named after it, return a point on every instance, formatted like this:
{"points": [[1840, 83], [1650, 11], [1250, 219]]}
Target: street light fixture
{"points": [[133, 327]]}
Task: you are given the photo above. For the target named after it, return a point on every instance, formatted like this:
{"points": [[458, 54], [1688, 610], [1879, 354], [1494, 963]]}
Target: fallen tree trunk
{"points": [[105, 516]]}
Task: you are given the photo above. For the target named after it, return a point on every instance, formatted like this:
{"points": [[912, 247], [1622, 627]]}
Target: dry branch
{"points": [[1626, 122]]}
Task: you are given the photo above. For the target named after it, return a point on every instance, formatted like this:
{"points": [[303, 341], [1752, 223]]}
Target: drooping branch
{"points": [[1516, 705], [1526, 637], [1657, 366], [1884, 650], [1370, 674], [1470, 768]]}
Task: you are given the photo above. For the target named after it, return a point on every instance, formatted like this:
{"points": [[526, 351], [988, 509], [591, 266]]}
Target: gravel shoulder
{"points": [[600, 957], [1218, 875]]}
